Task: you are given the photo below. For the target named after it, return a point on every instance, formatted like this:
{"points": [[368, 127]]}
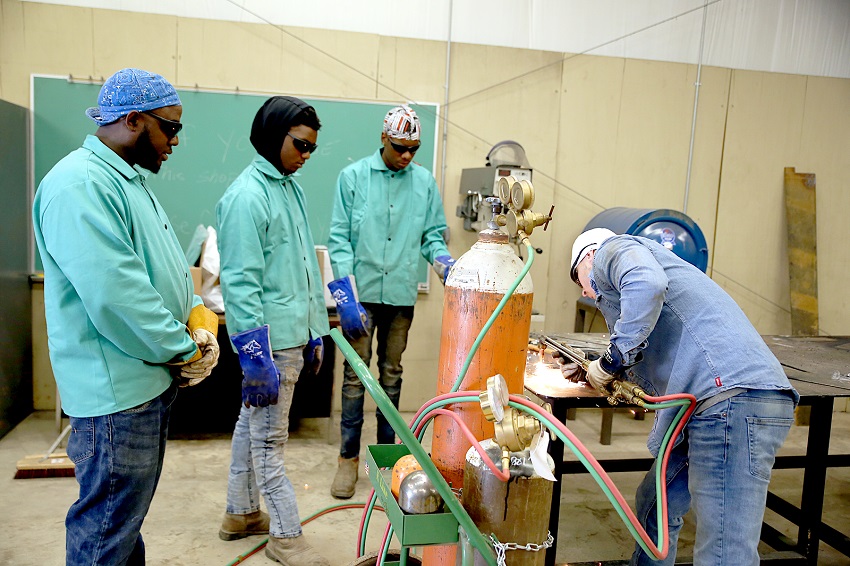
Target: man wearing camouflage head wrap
{"points": [[387, 213], [118, 300]]}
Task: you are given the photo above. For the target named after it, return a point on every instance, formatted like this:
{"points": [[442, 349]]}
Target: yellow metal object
{"points": [[516, 431], [494, 399], [518, 198]]}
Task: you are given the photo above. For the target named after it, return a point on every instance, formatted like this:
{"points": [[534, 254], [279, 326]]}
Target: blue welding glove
{"points": [[261, 380], [314, 352], [442, 265], [352, 315]]}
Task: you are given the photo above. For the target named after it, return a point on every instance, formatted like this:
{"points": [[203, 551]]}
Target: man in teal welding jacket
{"points": [[118, 300], [674, 330], [387, 214]]}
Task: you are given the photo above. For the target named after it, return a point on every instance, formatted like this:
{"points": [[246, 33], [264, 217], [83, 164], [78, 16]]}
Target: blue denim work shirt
{"points": [[382, 221], [693, 336], [117, 290], [269, 271]]}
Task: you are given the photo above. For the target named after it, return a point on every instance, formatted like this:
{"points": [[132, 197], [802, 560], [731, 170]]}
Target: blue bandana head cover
{"points": [[131, 89]]}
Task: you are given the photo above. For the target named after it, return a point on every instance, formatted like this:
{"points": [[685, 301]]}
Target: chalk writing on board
{"points": [[233, 142], [216, 176], [168, 174]]}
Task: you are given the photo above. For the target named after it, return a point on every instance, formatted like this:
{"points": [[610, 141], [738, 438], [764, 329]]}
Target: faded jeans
{"points": [[391, 324], [723, 467], [257, 462], [118, 459]]}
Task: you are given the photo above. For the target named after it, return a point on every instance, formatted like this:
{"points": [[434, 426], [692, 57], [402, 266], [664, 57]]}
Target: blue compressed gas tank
{"points": [[670, 228]]}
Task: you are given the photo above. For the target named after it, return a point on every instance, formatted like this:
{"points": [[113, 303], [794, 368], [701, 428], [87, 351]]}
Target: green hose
{"points": [[400, 427], [617, 507], [493, 317]]}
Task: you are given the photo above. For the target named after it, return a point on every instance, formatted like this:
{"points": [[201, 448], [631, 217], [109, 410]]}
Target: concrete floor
{"points": [[182, 526]]}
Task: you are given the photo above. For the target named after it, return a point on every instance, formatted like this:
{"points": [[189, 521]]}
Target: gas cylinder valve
{"points": [[514, 429], [518, 198]]}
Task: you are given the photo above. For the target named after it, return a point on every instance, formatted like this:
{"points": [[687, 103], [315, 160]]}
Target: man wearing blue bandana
{"points": [[276, 317], [387, 214], [674, 330], [124, 326]]}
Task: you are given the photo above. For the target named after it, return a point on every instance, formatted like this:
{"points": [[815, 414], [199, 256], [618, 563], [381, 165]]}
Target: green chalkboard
{"points": [[215, 147]]}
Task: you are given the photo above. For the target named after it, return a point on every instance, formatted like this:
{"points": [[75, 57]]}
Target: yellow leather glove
{"points": [[201, 317]]}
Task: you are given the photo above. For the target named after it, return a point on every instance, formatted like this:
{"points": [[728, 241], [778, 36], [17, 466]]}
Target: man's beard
{"points": [[146, 155]]}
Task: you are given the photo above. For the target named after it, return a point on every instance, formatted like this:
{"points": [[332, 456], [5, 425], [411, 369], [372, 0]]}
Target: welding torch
{"points": [[620, 390]]}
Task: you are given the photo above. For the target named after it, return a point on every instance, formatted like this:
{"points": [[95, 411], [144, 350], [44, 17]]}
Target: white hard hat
{"points": [[587, 241]]}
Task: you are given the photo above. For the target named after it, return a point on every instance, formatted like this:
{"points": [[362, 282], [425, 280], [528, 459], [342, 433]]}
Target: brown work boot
{"points": [[345, 478], [294, 552], [240, 526]]}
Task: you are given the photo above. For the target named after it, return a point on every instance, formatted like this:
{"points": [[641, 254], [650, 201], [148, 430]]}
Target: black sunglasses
{"points": [[169, 127], [303, 146], [402, 149]]}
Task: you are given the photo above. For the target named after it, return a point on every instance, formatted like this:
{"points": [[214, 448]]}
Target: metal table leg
{"points": [[556, 450], [814, 478]]}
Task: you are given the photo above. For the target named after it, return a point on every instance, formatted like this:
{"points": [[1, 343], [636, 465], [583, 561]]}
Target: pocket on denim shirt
{"points": [[81, 441], [765, 435]]}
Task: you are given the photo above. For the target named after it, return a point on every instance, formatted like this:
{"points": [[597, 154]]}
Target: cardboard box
{"points": [[195, 272]]}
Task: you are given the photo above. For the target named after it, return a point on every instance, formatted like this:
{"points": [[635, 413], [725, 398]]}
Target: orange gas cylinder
{"points": [[477, 283]]}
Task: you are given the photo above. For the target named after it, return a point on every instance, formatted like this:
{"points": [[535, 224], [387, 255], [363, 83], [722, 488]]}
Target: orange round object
{"points": [[402, 467]]}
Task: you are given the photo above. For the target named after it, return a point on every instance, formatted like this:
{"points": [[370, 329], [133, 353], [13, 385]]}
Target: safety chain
{"points": [[503, 547]]}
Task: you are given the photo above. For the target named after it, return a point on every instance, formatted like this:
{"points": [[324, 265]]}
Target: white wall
{"points": [[810, 37]]}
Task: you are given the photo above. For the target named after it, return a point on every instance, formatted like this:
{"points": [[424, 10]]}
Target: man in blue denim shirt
{"points": [[673, 330]]}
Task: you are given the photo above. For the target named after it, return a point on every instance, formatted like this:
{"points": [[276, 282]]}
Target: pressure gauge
{"points": [[522, 195], [494, 399], [505, 184]]}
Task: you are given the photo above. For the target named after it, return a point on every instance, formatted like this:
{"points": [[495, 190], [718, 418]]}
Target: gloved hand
{"points": [[601, 372], [442, 265], [202, 317], [570, 370], [314, 352], [261, 381], [193, 373], [598, 378], [352, 315]]}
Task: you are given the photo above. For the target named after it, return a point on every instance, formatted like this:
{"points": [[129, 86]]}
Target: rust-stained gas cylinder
{"points": [[516, 511], [478, 281]]}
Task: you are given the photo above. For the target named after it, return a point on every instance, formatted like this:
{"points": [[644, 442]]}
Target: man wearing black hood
{"points": [[276, 316]]}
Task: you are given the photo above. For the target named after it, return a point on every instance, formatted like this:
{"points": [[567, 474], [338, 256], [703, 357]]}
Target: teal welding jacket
{"points": [[269, 271], [117, 290], [382, 221]]}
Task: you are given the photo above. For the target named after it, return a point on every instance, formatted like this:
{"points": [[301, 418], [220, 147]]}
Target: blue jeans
{"points": [[723, 467], [118, 461], [256, 459], [391, 324]]}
